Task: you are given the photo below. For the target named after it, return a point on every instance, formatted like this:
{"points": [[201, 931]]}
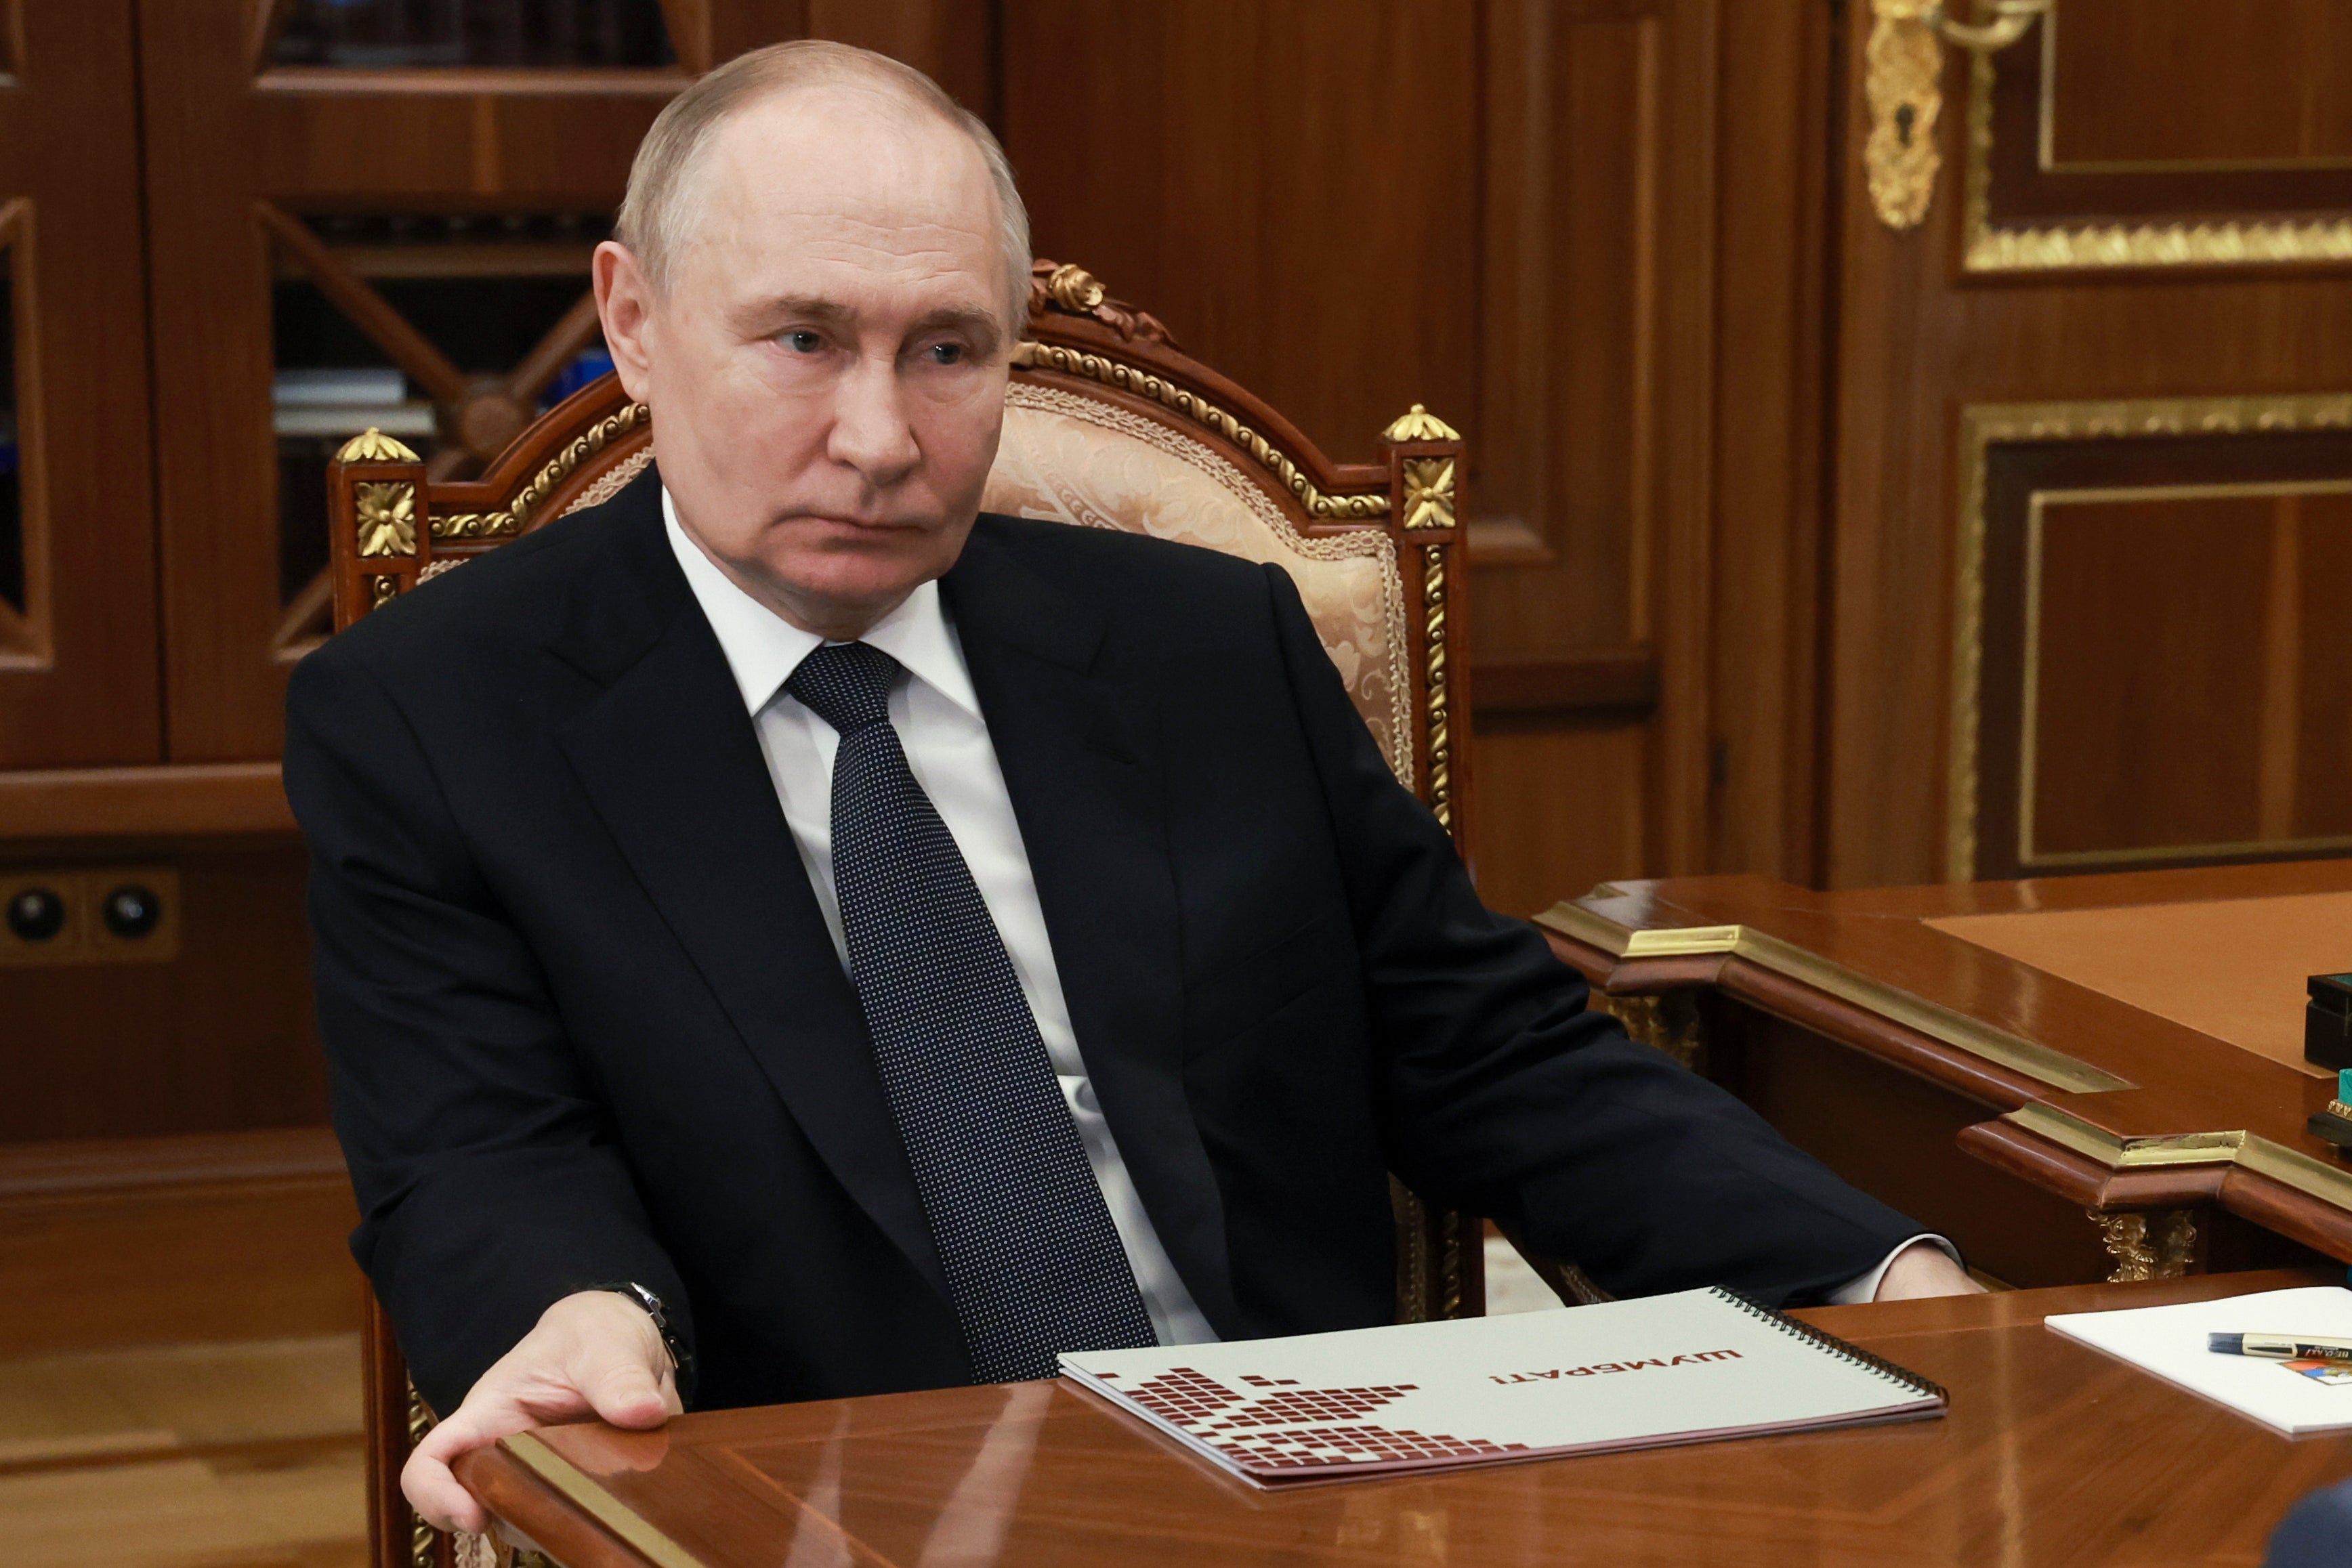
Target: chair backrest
{"points": [[1107, 425]]}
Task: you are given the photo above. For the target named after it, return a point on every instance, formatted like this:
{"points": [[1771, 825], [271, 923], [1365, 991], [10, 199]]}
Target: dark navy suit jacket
{"points": [[586, 1024]]}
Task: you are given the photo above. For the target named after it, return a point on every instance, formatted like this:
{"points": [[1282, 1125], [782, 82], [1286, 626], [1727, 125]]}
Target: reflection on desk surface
{"points": [[2234, 968], [2051, 1453]]}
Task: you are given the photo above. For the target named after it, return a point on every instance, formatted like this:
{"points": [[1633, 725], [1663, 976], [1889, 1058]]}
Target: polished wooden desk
{"points": [[2051, 1453], [2003, 1058]]}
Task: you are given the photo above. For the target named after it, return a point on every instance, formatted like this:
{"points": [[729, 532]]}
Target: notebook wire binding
{"points": [[1845, 1350]]}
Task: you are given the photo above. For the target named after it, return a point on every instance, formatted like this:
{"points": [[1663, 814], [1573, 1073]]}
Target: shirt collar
{"points": [[763, 649]]}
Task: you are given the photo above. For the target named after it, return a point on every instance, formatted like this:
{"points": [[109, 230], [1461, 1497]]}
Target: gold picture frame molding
{"points": [[2094, 246], [1984, 425]]}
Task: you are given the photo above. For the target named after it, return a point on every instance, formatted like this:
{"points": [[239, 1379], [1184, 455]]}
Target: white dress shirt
{"points": [[936, 716]]}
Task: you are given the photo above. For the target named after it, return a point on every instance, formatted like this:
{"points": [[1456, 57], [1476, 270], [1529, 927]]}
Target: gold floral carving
{"points": [[1903, 66], [373, 445], [1668, 1022], [1133, 379], [1440, 750], [1419, 424], [387, 519], [1075, 291], [516, 515], [1429, 493], [381, 591], [2154, 1246]]}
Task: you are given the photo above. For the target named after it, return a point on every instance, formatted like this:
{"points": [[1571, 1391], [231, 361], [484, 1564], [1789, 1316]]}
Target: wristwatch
{"points": [[680, 1359]]}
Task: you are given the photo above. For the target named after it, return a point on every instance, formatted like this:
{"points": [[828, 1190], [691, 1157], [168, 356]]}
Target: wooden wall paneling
{"points": [[1592, 420], [1918, 339], [1290, 188], [1597, 403], [954, 42], [2167, 133], [220, 1038], [77, 647], [2250, 88], [154, 1241], [1680, 578], [2125, 707], [1568, 414], [1559, 805], [1773, 224]]}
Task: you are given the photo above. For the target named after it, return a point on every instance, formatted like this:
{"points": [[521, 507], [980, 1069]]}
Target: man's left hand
{"points": [[1923, 1269]]}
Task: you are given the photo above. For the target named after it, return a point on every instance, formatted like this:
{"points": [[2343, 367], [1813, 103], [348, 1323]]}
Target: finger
{"points": [[629, 1394], [433, 1490]]}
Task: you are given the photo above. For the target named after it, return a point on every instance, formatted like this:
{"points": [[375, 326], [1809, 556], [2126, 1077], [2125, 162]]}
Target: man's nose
{"points": [[870, 431]]}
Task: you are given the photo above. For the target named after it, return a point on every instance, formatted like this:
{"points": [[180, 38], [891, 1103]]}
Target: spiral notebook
{"points": [[1693, 1367]]}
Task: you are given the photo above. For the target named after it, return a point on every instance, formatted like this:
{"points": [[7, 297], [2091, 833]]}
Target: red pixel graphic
{"points": [[1217, 1415]]}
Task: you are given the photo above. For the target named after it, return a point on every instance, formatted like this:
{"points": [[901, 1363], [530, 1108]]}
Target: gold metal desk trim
{"points": [[1933, 1020], [599, 1504], [2239, 1149]]}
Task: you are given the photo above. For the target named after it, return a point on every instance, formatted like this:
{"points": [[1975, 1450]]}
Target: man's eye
{"points": [[803, 341], [946, 353]]}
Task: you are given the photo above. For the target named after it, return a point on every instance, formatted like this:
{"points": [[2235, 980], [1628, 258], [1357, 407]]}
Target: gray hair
{"points": [[659, 214]]}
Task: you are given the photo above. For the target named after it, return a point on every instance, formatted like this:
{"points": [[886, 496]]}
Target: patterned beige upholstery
{"points": [[1078, 460]]}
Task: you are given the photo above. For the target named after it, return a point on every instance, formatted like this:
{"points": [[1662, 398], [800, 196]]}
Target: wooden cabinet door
{"points": [[398, 191], [77, 664], [2092, 444]]}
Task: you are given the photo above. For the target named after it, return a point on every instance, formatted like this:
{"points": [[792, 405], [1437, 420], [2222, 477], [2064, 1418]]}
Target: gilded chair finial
{"points": [[1420, 424], [373, 445]]}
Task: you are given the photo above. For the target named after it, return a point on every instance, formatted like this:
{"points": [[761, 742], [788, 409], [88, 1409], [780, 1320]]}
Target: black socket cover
{"points": [[132, 911], [36, 914]]}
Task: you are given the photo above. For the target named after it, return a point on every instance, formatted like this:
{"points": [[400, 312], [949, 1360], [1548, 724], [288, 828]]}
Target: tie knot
{"points": [[848, 684]]}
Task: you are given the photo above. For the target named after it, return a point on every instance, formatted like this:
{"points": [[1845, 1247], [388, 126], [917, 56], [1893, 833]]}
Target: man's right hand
{"points": [[593, 1354]]}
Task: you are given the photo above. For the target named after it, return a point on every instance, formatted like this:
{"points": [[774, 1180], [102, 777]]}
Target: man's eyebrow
{"points": [[803, 307], [968, 319]]}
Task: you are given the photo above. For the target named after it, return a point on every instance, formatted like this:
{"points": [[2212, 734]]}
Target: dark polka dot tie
{"points": [[1031, 1258]]}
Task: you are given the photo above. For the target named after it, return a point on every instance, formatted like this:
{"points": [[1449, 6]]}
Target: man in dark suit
{"points": [[783, 935]]}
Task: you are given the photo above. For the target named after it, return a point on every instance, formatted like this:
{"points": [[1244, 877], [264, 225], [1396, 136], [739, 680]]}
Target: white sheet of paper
{"points": [[2170, 1342]]}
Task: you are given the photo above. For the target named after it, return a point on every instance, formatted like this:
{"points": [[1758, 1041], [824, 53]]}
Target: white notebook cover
{"points": [[2170, 1342], [1683, 1368]]}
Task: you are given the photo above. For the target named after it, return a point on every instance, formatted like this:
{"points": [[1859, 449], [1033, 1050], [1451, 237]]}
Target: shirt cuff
{"points": [[1864, 1287]]}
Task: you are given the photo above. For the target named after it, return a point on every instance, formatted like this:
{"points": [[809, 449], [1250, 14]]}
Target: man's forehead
{"points": [[827, 151], [817, 198]]}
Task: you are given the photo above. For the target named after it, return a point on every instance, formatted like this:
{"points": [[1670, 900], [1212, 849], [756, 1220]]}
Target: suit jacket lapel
{"points": [[1086, 790], [672, 764]]}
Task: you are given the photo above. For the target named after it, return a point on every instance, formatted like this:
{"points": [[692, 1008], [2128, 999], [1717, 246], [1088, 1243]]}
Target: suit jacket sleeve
{"points": [[1501, 1094], [487, 1178]]}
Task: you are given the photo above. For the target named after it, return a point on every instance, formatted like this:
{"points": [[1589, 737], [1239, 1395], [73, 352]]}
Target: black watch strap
{"points": [[680, 1359]]}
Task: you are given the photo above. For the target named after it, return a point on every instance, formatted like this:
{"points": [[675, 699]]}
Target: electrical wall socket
{"points": [[84, 936]]}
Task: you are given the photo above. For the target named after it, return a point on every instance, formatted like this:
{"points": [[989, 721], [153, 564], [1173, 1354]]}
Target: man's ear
{"points": [[624, 300]]}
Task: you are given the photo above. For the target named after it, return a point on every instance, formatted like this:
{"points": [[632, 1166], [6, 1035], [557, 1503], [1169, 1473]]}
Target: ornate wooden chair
{"points": [[1108, 425]]}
